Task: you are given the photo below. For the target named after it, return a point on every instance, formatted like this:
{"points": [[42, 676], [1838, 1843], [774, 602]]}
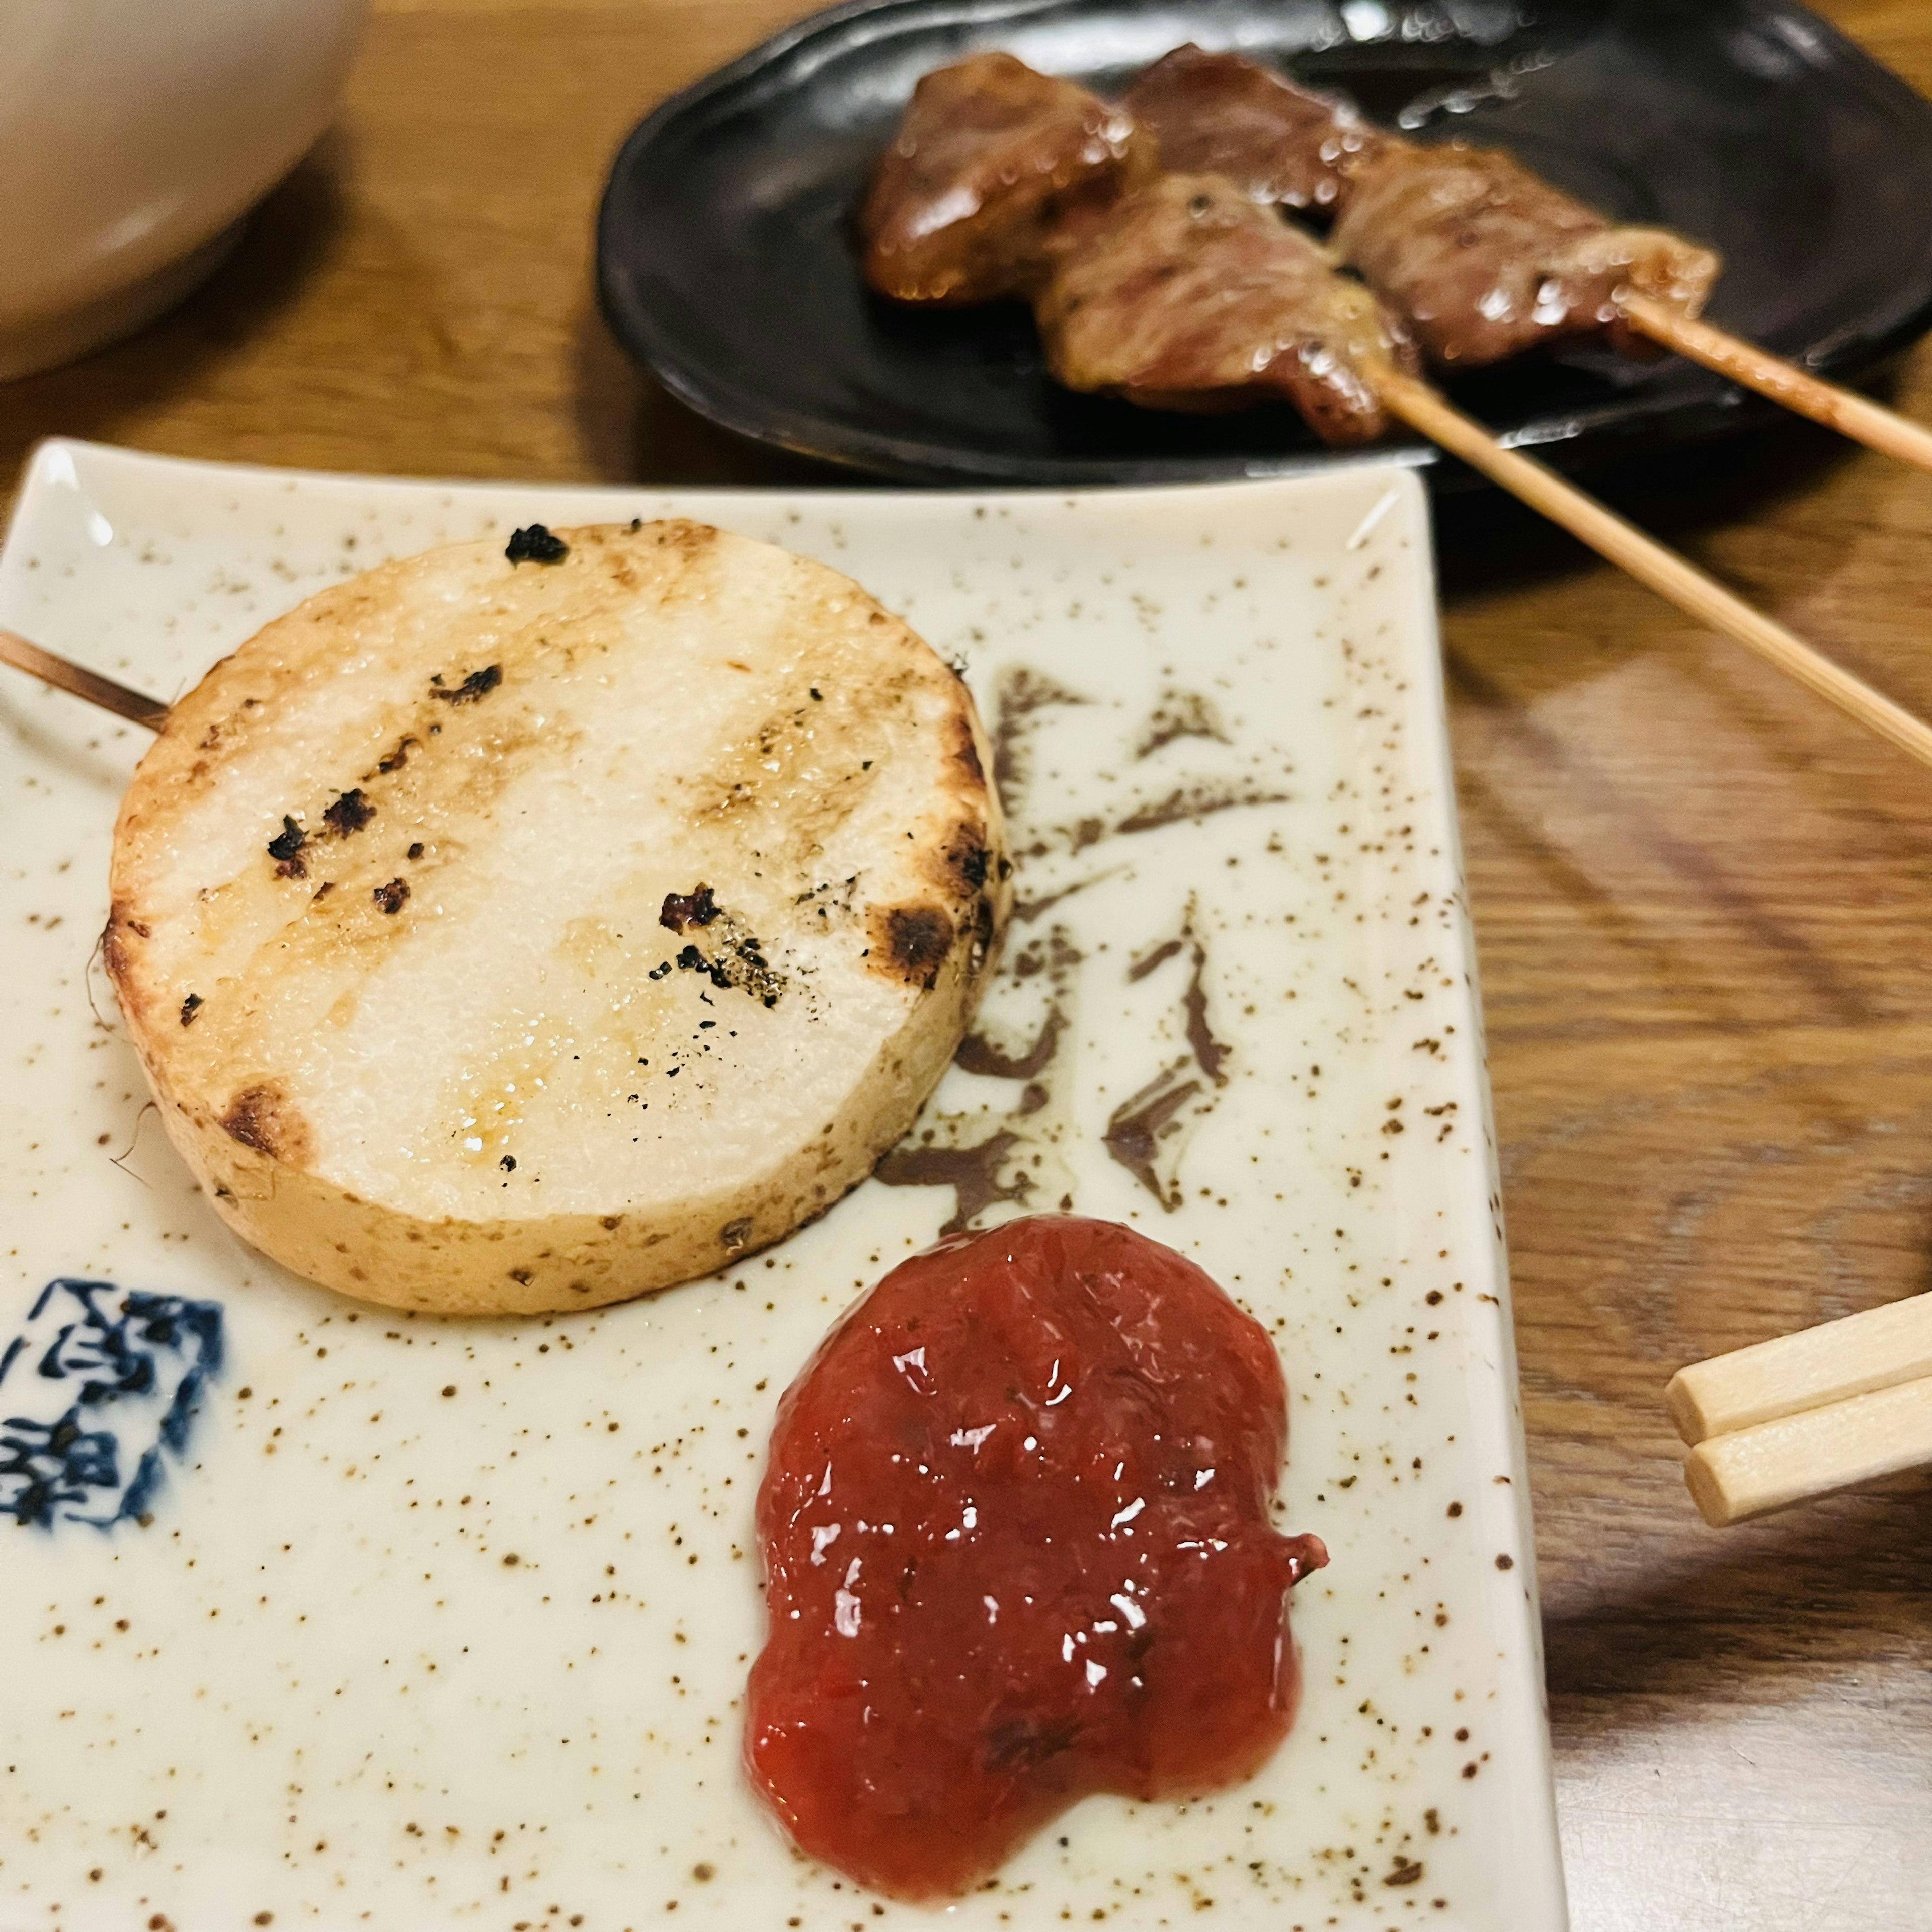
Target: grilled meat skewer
{"points": [[1190, 292], [1277, 141], [1173, 292], [1480, 258], [1483, 260], [991, 173], [1189, 296]]}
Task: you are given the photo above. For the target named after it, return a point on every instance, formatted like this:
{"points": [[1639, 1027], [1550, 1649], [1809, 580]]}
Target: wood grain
{"points": [[1695, 592], [1703, 902]]}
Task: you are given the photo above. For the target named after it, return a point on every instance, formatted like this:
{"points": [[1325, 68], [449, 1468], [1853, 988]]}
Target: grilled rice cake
{"points": [[514, 936]]}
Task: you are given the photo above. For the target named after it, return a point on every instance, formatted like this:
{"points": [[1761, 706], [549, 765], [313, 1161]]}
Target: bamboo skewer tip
{"points": [[1784, 383], [64, 674]]}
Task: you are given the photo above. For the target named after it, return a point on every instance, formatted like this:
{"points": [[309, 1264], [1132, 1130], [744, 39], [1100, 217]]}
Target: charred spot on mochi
{"points": [[260, 1117], [117, 956], [733, 1236], [910, 942], [535, 544], [113, 947], [982, 948], [191, 1006], [739, 962], [967, 754], [967, 861], [390, 897], [509, 1163], [400, 756], [680, 534], [695, 907], [478, 684], [349, 813], [285, 848]]}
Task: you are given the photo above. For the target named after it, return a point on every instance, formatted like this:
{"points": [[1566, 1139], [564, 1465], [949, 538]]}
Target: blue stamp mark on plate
{"points": [[95, 1391]]}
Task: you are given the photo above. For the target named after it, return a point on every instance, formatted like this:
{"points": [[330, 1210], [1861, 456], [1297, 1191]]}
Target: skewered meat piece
{"points": [[1479, 257], [991, 172], [1483, 260], [1220, 114], [1189, 296], [1184, 293]]}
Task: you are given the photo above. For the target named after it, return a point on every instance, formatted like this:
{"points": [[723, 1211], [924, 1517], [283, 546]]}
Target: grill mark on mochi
{"points": [[961, 862], [262, 1117], [568, 628], [117, 955], [910, 942], [678, 543], [966, 753], [349, 814], [773, 766], [348, 923], [495, 749], [688, 540], [961, 866], [473, 689]]}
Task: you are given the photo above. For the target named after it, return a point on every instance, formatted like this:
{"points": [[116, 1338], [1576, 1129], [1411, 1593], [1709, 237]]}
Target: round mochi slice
{"points": [[505, 936]]}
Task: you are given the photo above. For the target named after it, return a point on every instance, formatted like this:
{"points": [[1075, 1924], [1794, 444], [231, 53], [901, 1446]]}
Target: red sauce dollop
{"points": [[1016, 1547]]}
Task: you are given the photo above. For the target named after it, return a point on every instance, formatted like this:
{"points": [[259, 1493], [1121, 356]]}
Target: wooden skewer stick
{"points": [[1856, 416], [1803, 1414], [66, 675], [1650, 562]]}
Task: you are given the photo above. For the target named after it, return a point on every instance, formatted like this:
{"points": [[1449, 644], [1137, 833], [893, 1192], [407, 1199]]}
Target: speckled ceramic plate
{"points": [[317, 1615]]}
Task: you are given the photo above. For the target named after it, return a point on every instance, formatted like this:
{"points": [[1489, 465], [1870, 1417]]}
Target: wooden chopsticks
{"points": [[1650, 562], [1804, 1415], [65, 675]]}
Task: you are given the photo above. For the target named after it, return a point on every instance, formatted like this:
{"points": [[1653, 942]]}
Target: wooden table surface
{"points": [[1702, 901]]}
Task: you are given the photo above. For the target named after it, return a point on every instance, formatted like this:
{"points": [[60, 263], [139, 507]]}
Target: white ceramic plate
{"points": [[437, 1623]]}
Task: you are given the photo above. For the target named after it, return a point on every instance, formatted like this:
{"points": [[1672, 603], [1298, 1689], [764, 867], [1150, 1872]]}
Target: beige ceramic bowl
{"points": [[134, 135]]}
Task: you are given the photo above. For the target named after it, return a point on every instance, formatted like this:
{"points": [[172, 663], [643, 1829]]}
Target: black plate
{"points": [[726, 259]]}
